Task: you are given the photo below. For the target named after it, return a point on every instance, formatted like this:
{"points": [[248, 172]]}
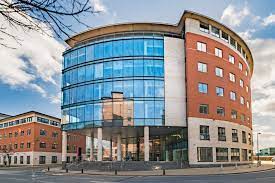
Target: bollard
{"points": [[48, 169], [82, 171], [163, 172], [67, 170], [221, 166], [236, 166], [115, 172]]}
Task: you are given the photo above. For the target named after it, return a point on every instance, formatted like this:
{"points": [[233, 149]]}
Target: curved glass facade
{"points": [[114, 81]]}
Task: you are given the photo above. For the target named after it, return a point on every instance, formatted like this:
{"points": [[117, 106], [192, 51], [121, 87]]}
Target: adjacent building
{"points": [[33, 138], [160, 92], [267, 151]]}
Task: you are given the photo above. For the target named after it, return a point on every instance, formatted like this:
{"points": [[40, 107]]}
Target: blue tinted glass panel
{"points": [[149, 109], [81, 55], [73, 95], [73, 115], [149, 68], [89, 112], [138, 47], [81, 74], [67, 60], [138, 109], [159, 68], [138, 68], [118, 86], [81, 93], [117, 69], [128, 47], [98, 91], [90, 53], [108, 49], [108, 69], [148, 47], [138, 88], [158, 47], [98, 54], [159, 88], [117, 48], [74, 76], [98, 71], [89, 72], [149, 88], [73, 58], [97, 111], [108, 88], [128, 88], [81, 113], [89, 92], [66, 97], [128, 68], [159, 109]]}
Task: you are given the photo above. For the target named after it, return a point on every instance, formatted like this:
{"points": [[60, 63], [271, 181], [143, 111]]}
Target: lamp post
{"points": [[258, 148]]}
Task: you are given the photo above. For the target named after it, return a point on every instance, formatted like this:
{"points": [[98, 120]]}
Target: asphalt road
{"points": [[29, 176]]}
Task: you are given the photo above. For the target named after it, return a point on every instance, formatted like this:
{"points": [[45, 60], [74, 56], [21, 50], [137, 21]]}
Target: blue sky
{"points": [[30, 75]]}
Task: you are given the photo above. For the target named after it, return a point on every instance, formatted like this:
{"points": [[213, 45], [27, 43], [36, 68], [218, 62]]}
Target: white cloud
{"points": [[34, 64], [233, 16], [269, 20], [98, 6]]}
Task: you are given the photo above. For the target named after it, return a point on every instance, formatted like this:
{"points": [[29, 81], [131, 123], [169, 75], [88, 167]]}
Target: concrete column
{"points": [[99, 144], [64, 147], [118, 147], [146, 143], [92, 147]]}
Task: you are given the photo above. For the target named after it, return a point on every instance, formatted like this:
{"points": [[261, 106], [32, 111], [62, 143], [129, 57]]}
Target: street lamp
{"points": [[258, 148]]}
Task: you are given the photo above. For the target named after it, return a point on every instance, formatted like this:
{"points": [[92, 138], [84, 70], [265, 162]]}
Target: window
{"points": [[54, 159], [215, 31], [202, 67], [244, 155], [220, 111], [247, 105], [21, 145], [221, 134], [240, 66], [43, 132], [231, 59], [202, 87], [242, 100], [15, 146], [239, 48], [232, 95], [15, 134], [218, 52], [42, 145], [54, 146], [205, 154], [28, 160], [225, 37], [244, 137], [234, 114], [235, 135], [201, 46], [14, 159], [22, 133], [204, 27], [219, 72], [29, 132], [10, 135], [235, 154], [246, 73], [21, 159], [241, 83], [221, 154], [28, 145], [232, 77], [203, 109], [42, 159], [55, 134], [204, 133], [247, 89], [219, 91], [249, 139]]}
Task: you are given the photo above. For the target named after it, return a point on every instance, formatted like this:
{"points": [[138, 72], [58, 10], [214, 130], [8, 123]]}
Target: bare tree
{"points": [[42, 15]]}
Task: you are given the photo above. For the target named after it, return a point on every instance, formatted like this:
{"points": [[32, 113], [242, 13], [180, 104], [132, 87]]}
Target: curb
{"points": [[131, 175]]}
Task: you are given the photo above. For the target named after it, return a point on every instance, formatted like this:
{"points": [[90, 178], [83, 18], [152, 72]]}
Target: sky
{"points": [[30, 75]]}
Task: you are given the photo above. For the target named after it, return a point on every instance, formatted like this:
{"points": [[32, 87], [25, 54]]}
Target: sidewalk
{"points": [[175, 172]]}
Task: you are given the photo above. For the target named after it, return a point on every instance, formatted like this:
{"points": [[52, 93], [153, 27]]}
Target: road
{"points": [[36, 176]]}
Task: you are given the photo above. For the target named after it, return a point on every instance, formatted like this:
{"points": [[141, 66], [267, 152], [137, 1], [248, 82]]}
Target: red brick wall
{"points": [[194, 98]]}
